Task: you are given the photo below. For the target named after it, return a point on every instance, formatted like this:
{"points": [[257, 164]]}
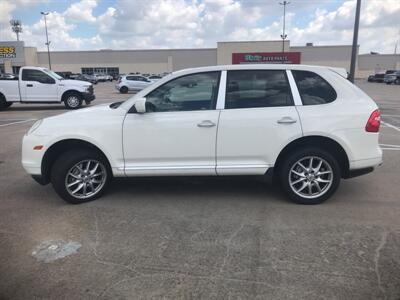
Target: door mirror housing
{"points": [[140, 105]]}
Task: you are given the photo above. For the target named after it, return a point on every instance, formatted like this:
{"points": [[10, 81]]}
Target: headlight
{"points": [[35, 126]]}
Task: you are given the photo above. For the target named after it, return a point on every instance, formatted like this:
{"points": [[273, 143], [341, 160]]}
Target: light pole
{"points": [[283, 35], [16, 26], [355, 39], [47, 36]]}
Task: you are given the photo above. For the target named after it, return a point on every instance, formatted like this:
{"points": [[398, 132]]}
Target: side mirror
{"points": [[140, 105]]}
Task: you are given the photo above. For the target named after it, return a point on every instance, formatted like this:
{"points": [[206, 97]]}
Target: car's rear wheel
{"points": [[123, 90], [73, 100], [397, 81], [310, 176], [80, 176]]}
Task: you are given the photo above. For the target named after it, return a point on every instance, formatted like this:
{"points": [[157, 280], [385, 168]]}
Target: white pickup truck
{"points": [[40, 85]]}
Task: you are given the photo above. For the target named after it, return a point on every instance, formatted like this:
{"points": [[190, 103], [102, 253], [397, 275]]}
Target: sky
{"points": [[154, 24]]}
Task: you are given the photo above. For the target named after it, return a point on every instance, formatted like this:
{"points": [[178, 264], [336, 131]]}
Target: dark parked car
{"points": [[88, 78], [115, 76], [376, 78], [8, 76], [65, 74], [74, 75], [393, 77]]}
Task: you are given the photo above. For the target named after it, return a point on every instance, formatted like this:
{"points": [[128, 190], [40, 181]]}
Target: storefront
{"points": [[266, 58], [12, 56]]}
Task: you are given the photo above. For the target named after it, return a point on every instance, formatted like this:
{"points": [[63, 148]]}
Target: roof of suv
{"points": [[341, 71]]}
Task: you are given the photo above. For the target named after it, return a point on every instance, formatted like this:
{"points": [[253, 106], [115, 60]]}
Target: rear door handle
{"points": [[29, 85], [206, 123], [286, 120]]}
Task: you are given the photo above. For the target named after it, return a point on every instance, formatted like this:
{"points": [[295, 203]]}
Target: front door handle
{"points": [[206, 123], [286, 120], [29, 85]]}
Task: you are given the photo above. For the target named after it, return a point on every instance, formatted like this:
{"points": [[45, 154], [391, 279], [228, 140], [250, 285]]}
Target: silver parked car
{"points": [[393, 77], [132, 83]]}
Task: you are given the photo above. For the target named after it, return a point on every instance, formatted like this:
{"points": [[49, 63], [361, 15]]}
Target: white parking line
{"points": [[396, 116], [389, 146], [17, 122], [391, 126]]}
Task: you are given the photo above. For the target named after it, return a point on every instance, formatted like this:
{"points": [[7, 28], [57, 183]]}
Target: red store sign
{"points": [[266, 58]]}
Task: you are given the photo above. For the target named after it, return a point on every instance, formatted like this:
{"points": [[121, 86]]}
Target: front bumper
{"points": [[88, 97], [390, 80], [32, 159], [40, 179]]}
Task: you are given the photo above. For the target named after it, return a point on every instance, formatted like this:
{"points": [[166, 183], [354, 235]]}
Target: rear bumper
{"points": [[359, 172], [362, 167], [366, 163]]}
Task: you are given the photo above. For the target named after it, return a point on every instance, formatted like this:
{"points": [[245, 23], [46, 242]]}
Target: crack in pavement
{"points": [[228, 247], [376, 261], [97, 256]]}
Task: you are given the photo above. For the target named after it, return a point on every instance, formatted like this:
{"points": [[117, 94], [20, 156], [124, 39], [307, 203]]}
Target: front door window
{"points": [[187, 93]]}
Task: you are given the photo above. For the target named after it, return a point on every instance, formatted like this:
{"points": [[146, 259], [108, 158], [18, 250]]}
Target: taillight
{"points": [[374, 122]]}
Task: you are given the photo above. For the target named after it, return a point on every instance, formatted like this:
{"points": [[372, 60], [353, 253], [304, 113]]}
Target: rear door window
{"points": [[313, 88], [257, 88]]}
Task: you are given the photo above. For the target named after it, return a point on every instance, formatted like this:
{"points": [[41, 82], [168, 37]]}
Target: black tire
{"points": [[66, 163], [397, 81], [327, 190], [123, 90], [73, 100], [3, 103]]}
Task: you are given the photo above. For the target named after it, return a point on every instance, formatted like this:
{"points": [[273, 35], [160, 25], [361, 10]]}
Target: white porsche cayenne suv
{"points": [[307, 126]]}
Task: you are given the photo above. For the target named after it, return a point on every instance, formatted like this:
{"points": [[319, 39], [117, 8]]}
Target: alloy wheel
{"points": [[85, 179], [310, 177]]}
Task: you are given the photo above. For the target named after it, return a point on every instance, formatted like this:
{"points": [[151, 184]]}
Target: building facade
{"points": [[14, 55]]}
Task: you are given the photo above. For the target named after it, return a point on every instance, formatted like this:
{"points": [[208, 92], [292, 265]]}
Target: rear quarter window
{"points": [[313, 88]]}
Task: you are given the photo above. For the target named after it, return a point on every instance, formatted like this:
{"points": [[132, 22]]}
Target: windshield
{"points": [[53, 74]]}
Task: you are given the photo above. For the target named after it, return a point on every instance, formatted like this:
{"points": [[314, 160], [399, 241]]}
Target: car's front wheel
{"points": [[310, 176], [73, 100], [80, 176]]}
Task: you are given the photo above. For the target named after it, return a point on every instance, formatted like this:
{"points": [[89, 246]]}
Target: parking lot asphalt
{"points": [[199, 238]]}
